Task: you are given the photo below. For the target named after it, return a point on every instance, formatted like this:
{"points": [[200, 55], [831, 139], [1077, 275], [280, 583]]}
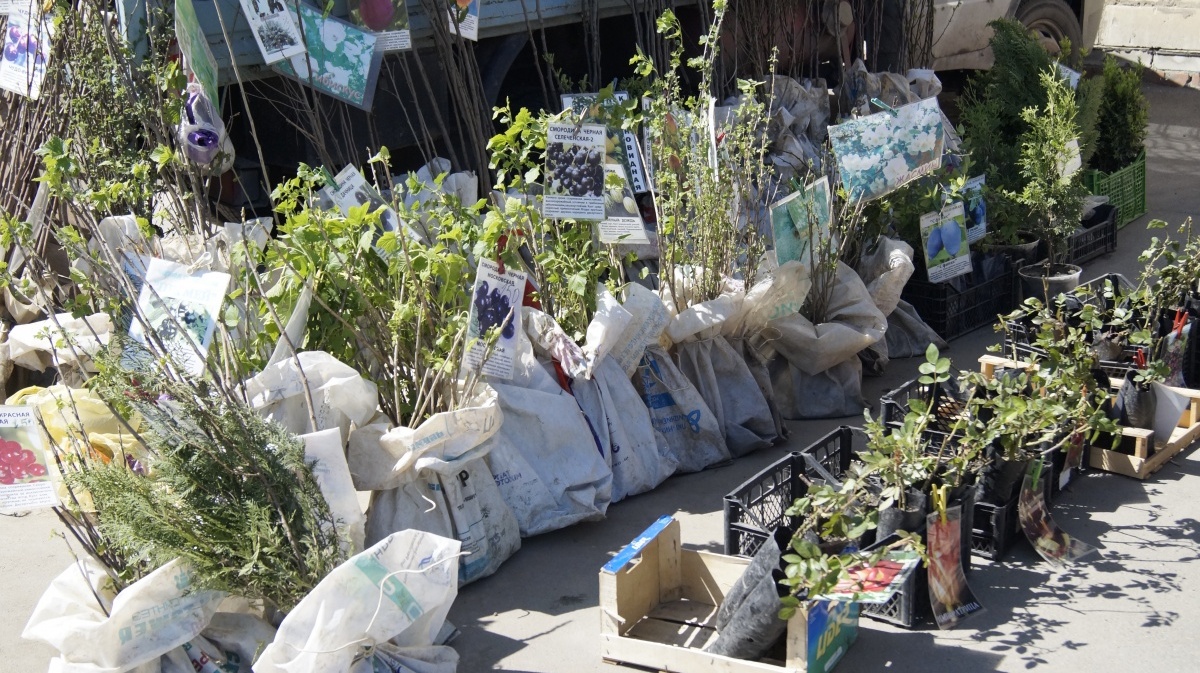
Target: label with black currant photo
{"points": [[178, 313], [25, 481], [495, 320], [976, 208], [622, 218], [574, 172]]}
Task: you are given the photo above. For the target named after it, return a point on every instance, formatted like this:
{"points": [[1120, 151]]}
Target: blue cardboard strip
{"points": [[634, 548]]}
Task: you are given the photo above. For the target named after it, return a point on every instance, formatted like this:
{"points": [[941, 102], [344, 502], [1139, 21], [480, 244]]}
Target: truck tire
{"points": [[1052, 20]]}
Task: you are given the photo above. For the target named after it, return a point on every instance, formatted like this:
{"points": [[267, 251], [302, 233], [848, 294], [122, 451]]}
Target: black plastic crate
{"points": [[952, 313], [756, 508], [1098, 236], [995, 529], [949, 405], [909, 606]]}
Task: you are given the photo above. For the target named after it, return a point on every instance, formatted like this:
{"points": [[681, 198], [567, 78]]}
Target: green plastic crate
{"points": [[1125, 188]]}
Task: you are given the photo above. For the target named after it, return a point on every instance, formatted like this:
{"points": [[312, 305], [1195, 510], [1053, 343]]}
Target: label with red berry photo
{"points": [[24, 477]]}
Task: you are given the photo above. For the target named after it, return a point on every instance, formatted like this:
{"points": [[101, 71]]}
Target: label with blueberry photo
{"points": [[495, 320], [976, 208], [25, 482], [575, 172], [944, 237]]}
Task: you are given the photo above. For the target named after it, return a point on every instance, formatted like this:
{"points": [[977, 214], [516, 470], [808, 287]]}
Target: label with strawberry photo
{"points": [[24, 477], [877, 583]]}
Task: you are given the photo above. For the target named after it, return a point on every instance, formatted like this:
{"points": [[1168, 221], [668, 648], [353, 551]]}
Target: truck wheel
{"points": [[1052, 20]]}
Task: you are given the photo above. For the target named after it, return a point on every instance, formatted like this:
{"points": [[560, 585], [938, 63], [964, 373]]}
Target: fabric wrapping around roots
{"points": [[834, 393], [684, 426], [725, 383]]}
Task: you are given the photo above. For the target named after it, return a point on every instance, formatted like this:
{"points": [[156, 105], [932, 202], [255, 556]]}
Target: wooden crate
{"points": [[1144, 453], [658, 605]]}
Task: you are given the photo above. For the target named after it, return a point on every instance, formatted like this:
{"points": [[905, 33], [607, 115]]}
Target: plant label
{"points": [[274, 30], [25, 481], [178, 313], [800, 223], [621, 147], [832, 629], [976, 209], [351, 191], [574, 174], [622, 218], [198, 58], [388, 19], [876, 584], [26, 52], [949, 594], [1051, 542], [944, 238], [464, 18], [495, 320], [880, 153], [342, 59], [1072, 76]]}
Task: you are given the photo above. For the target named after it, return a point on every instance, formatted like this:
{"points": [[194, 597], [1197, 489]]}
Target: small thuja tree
{"points": [[1122, 117], [710, 179], [1053, 190]]}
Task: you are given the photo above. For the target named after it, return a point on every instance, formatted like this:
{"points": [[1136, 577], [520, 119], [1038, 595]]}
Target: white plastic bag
{"points": [[147, 619], [622, 426], [684, 426], [201, 133], [885, 270], [62, 341], [399, 590], [544, 458], [439, 483], [333, 477], [390, 659], [340, 395]]}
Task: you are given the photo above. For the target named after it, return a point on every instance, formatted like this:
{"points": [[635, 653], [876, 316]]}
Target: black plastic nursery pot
{"points": [[1047, 281]]}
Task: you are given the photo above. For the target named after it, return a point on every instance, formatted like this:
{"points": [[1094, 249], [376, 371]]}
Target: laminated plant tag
{"points": [[1051, 542], [24, 479], [800, 223], [574, 172], [389, 20], [180, 309], [351, 190], [878, 583], [194, 45], [1072, 76], [621, 146], [949, 594], [944, 239], [464, 18], [342, 59], [976, 209], [622, 220], [274, 29], [26, 51], [880, 153], [496, 302]]}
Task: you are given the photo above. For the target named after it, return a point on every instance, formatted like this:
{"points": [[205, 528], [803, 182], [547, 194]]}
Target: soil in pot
{"points": [[1136, 404], [1047, 281]]}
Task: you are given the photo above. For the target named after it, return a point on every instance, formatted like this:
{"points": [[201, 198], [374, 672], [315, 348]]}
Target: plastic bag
{"points": [[389, 659], [147, 619], [438, 482], [725, 383], [544, 457], [399, 590], [201, 133], [340, 395], [684, 427], [62, 341], [622, 426], [885, 270], [324, 448]]}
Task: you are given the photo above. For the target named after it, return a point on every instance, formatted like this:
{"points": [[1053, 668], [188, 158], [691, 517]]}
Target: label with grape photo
{"points": [[25, 482], [495, 320], [26, 50], [622, 218], [178, 314], [944, 237], [575, 172]]}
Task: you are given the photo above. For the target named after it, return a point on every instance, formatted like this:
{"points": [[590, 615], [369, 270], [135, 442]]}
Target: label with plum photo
{"points": [[495, 320], [622, 219], [574, 172], [944, 238], [24, 476]]}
